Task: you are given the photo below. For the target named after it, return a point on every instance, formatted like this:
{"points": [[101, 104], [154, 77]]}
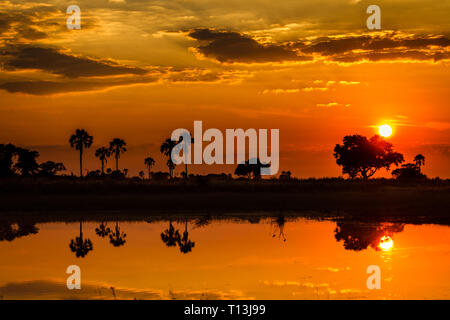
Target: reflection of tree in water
{"points": [[278, 227], [185, 243], [10, 231], [117, 238], [170, 236], [358, 236], [79, 245], [102, 230], [203, 221]]}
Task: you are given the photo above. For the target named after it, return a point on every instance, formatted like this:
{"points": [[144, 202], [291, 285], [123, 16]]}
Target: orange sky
{"points": [[140, 69]]}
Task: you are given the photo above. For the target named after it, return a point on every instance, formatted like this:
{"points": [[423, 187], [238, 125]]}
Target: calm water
{"points": [[276, 258]]}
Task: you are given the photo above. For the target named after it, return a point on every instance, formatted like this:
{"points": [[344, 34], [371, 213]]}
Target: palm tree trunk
{"points": [[186, 170], [117, 163], [81, 162], [103, 167]]}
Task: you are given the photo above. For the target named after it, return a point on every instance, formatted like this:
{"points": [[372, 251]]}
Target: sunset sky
{"points": [[137, 70]]}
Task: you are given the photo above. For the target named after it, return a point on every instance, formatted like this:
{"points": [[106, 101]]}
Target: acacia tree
{"points": [[117, 147], [362, 157], [249, 170], [149, 162], [103, 154], [81, 140]]}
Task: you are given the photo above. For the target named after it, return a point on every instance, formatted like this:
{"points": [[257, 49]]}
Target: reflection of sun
{"points": [[385, 130], [386, 243]]}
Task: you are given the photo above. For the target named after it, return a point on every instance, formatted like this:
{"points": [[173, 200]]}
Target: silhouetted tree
{"points": [[185, 244], [79, 245], [26, 162], [117, 238], [278, 224], [411, 171], [50, 168], [359, 236], [81, 140], [102, 230], [361, 156], [149, 162], [250, 170], [103, 154], [10, 231], [166, 149], [285, 175], [170, 236], [7, 152], [117, 147], [141, 175]]}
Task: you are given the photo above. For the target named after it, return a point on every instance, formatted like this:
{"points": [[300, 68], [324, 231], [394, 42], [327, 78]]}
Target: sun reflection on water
{"points": [[386, 243]]}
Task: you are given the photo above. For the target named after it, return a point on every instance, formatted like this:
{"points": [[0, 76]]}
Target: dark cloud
{"points": [[229, 47], [54, 61]]}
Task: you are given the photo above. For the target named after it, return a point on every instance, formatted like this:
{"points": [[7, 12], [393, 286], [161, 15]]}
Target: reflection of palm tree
{"points": [[81, 140], [117, 238], [170, 236], [81, 246], [279, 226], [102, 230], [185, 244]]}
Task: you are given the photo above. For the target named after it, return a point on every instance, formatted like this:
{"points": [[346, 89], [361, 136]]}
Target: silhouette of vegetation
{"points": [[362, 157], [103, 154], [185, 244], [149, 163], [116, 237], [81, 246], [250, 170], [117, 147], [171, 237], [411, 171], [166, 149], [7, 152], [81, 140], [102, 230], [26, 162], [278, 227], [359, 236], [285, 175], [50, 168], [11, 231]]}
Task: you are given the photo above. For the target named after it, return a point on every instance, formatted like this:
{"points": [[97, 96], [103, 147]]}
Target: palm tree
{"points": [[149, 162], [419, 160], [166, 149], [103, 154], [102, 230], [80, 246], [117, 147], [170, 236], [185, 243], [81, 140], [185, 158], [117, 238]]}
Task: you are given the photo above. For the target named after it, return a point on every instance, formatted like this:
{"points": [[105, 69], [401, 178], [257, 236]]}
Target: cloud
{"points": [[332, 104], [234, 47], [56, 61]]}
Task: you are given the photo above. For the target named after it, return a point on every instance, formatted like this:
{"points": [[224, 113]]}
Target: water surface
{"points": [[271, 258]]}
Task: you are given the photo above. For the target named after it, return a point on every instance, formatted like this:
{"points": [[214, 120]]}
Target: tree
{"points": [[117, 238], [102, 230], [81, 140], [411, 171], [79, 245], [141, 175], [117, 147], [363, 157], [7, 152], [149, 162], [170, 236], [50, 168], [249, 170], [103, 154], [166, 149], [185, 244], [26, 162]]}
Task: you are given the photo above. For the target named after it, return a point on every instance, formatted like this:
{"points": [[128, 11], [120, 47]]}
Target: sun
{"points": [[386, 243], [385, 130]]}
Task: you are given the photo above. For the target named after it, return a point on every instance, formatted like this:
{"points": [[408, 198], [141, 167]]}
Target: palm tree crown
{"points": [[117, 147], [103, 154]]}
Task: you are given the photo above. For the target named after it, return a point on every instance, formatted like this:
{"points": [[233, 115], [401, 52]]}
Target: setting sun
{"points": [[385, 130], [386, 243]]}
